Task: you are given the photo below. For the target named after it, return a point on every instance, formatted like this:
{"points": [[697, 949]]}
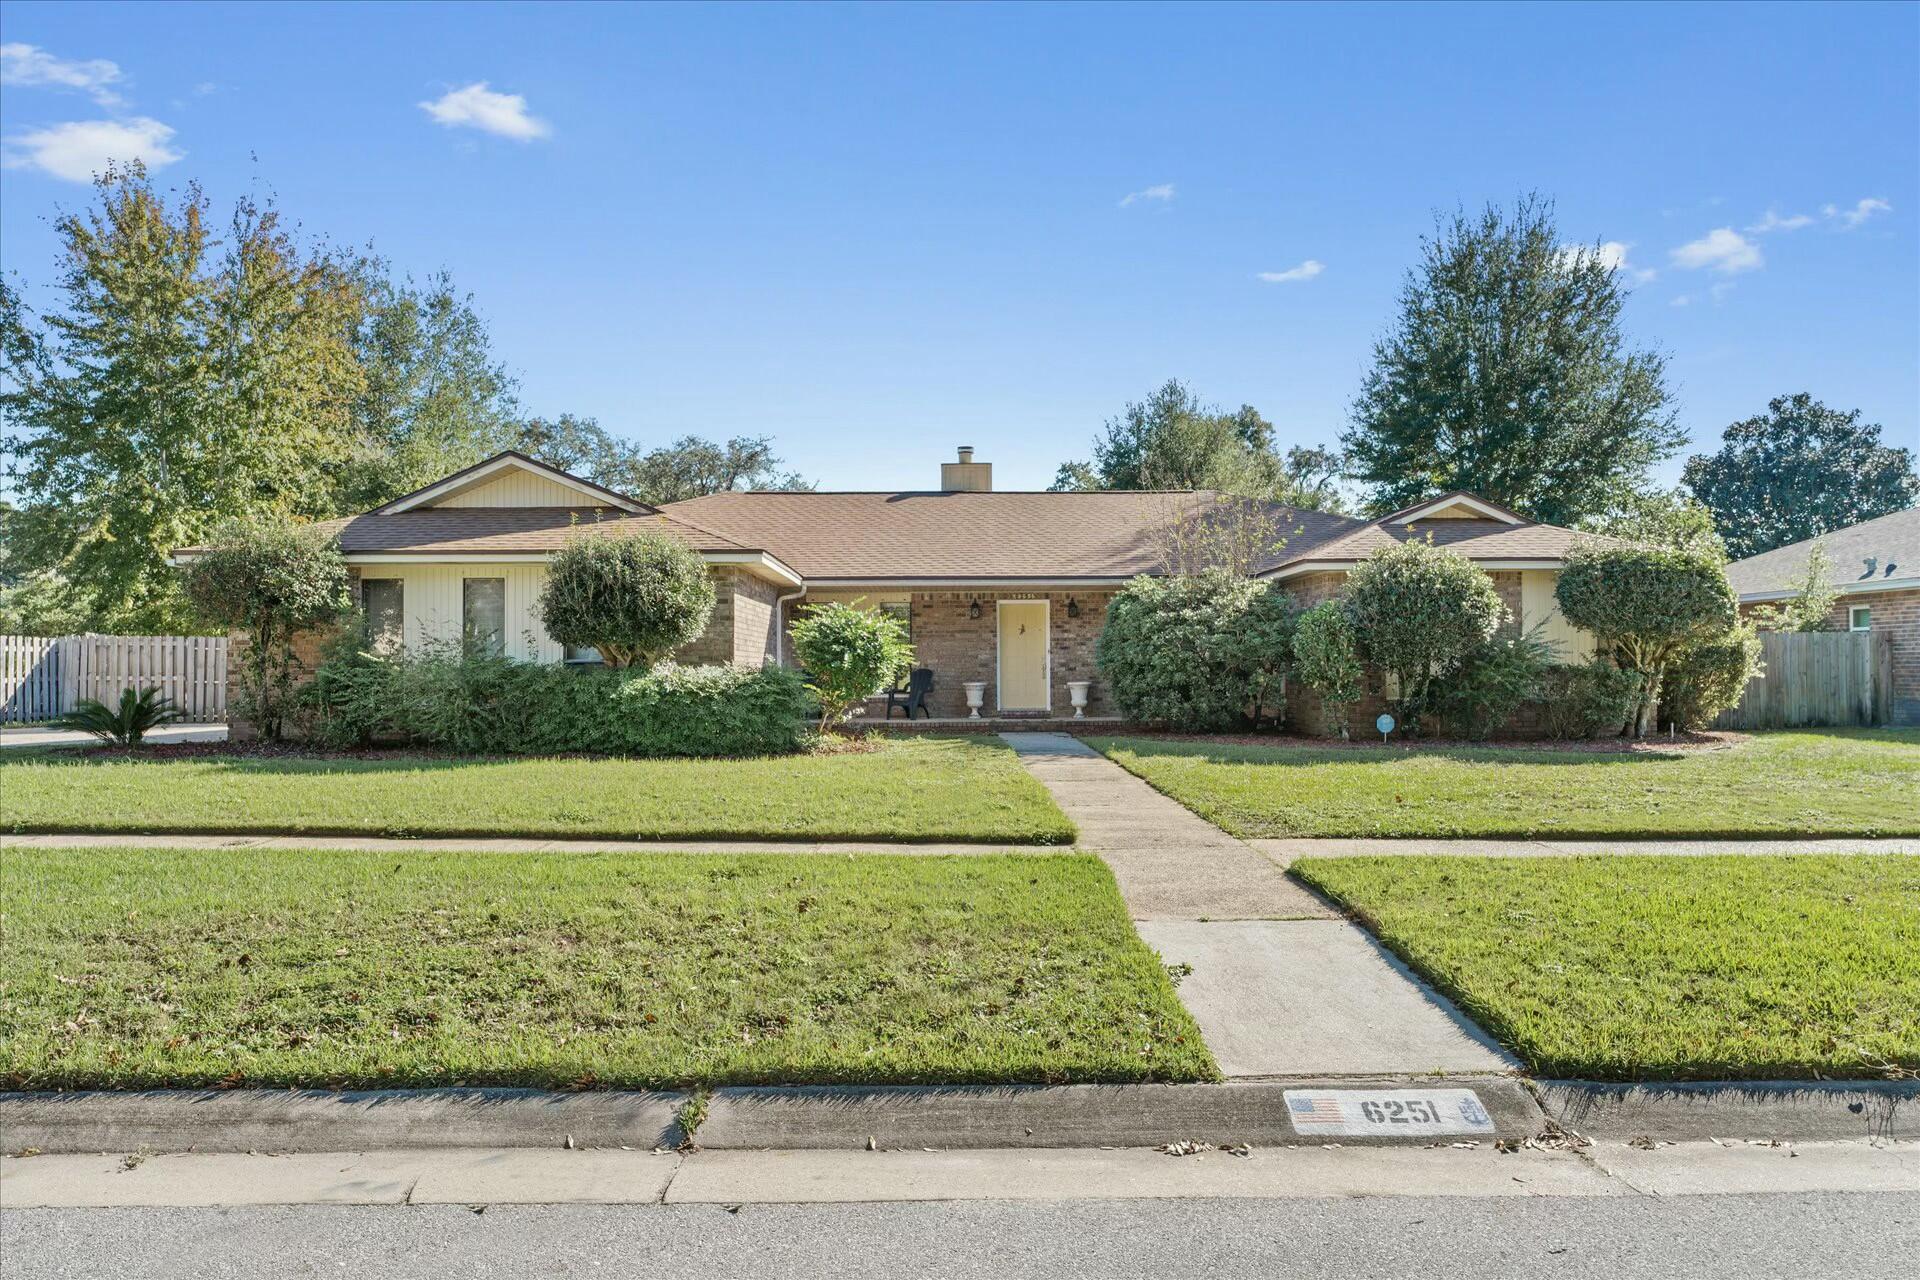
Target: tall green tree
{"points": [[1797, 471], [179, 381], [1173, 440], [1660, 518], [1507, 374], [435, 399], [690, 467]]}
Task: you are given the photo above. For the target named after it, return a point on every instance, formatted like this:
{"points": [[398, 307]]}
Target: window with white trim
{"points": [[1860, 618], [382, 601], [483, 614]]}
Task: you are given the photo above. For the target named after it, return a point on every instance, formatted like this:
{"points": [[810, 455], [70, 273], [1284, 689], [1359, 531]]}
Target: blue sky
{"points": [[878, 232]]}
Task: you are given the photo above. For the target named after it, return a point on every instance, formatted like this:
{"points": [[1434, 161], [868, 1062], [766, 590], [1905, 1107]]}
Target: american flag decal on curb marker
{"points": [[1386, 1113]]}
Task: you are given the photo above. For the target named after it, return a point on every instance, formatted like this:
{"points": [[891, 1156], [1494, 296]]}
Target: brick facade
{"points": [[740, 631], [959, 648]]}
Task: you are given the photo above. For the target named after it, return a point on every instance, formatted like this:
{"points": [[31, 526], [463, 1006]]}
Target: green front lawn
{"points": [[1829, 782], [137, 968], [1648, 967], [923, 789]]}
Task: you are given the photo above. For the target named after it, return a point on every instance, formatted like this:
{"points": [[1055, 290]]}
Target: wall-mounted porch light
{"points": [[973, 610], [1073, 607]]}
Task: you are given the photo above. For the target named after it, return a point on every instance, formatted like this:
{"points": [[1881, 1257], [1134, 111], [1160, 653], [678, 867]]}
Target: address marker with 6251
{"points": [[1386, 1113]]}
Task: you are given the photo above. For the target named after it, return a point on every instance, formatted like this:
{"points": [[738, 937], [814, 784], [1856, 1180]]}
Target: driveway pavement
{"points": [[1280, 984], [36, 737]]}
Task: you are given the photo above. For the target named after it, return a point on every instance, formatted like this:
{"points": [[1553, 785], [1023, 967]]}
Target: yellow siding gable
{"points": [[517, 488], [1538, 605]]}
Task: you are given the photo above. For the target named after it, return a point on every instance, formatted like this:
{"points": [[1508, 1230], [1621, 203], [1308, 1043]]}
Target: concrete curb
{"points": [[1118, 1115], [1796, 1110], [960, 1117], [242, 1120]]}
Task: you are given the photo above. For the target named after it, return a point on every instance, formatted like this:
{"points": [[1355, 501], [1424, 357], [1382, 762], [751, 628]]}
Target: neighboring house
{"points": [[1007, 589], [1876, 570]]}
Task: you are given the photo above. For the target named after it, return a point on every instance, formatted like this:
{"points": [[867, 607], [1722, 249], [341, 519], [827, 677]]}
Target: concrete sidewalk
{"points": [[505, 844], [1285, 852], [1280, 984]]}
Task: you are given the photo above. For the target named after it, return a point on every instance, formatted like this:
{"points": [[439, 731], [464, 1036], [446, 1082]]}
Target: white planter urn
{"points": [[1077, 690], [976, 695]]}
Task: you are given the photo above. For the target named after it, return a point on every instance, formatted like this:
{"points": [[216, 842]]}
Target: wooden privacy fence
{"points": [[46, 676], [1817, 678]]}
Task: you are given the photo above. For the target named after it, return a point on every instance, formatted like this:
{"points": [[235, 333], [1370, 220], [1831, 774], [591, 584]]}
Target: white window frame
{"points": [[367, 637], [1046, 649], [466, 631], [1853, 617]]}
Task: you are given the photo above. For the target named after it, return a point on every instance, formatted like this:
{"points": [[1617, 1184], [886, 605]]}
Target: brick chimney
{"points": [[966, 475]]}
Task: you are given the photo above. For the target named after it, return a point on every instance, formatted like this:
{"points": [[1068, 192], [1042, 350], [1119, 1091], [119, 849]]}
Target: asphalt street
{"points": [[1859, 1236]]}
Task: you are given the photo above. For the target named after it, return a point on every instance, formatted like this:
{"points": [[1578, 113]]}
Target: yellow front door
{"points": [[1023, 655]]}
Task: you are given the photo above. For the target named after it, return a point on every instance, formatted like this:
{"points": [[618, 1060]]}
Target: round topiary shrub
{"points": [[634, 597], [1326, 656], [1418, 610], [1195, 652], [1709, 676], [1647, 605], [849, 653], [270, 582]]}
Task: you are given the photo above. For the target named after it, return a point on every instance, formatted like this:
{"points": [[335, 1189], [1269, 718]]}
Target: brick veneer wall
{"points": [[1896, 615], [755, 602], [741, 628]]}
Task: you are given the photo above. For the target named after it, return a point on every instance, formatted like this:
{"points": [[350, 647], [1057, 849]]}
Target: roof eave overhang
{"points": [[1507, 564], [757, 562], [1843, 588]]}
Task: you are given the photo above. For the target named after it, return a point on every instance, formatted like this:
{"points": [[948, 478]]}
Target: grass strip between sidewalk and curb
{"points": [[909, 789], [150, 968], [1814, 783], [1661, 968]]}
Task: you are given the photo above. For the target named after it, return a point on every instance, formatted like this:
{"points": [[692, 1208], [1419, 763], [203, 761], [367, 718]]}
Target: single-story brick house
{"points": [[1006, 589], [1876, 570]]}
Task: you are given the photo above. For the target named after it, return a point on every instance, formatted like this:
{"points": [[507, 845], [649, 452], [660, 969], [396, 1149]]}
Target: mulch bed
{"points": [[1707, 740]]}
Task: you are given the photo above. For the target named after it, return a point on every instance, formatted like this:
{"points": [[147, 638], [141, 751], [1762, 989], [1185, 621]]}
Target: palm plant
{"points": [[126, 724]]}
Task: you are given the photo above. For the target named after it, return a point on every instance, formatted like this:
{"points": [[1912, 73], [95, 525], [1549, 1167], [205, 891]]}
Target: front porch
{"points": [[1025, 648]]}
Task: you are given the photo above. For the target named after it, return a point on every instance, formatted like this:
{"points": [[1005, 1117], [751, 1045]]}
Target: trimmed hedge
{"points": [[499, 705]]}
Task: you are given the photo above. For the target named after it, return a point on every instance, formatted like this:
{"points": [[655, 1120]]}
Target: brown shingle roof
{"points": [[866, 537], [1882, 550], [502, 530]]}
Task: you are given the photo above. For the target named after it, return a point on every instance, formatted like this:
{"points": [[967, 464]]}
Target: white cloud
{"points": [[1723, 250], [1774, 222], [1305, 271], [27, 65], [478, 107], [1162, 193], [1682, 300], [1612, 255], [1851, 218], [78, 150]]}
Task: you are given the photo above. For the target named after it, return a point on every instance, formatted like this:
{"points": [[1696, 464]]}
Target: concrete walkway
{"points": [[37, 737], [1284, 852], [1280, 984], [1171, 865]]}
